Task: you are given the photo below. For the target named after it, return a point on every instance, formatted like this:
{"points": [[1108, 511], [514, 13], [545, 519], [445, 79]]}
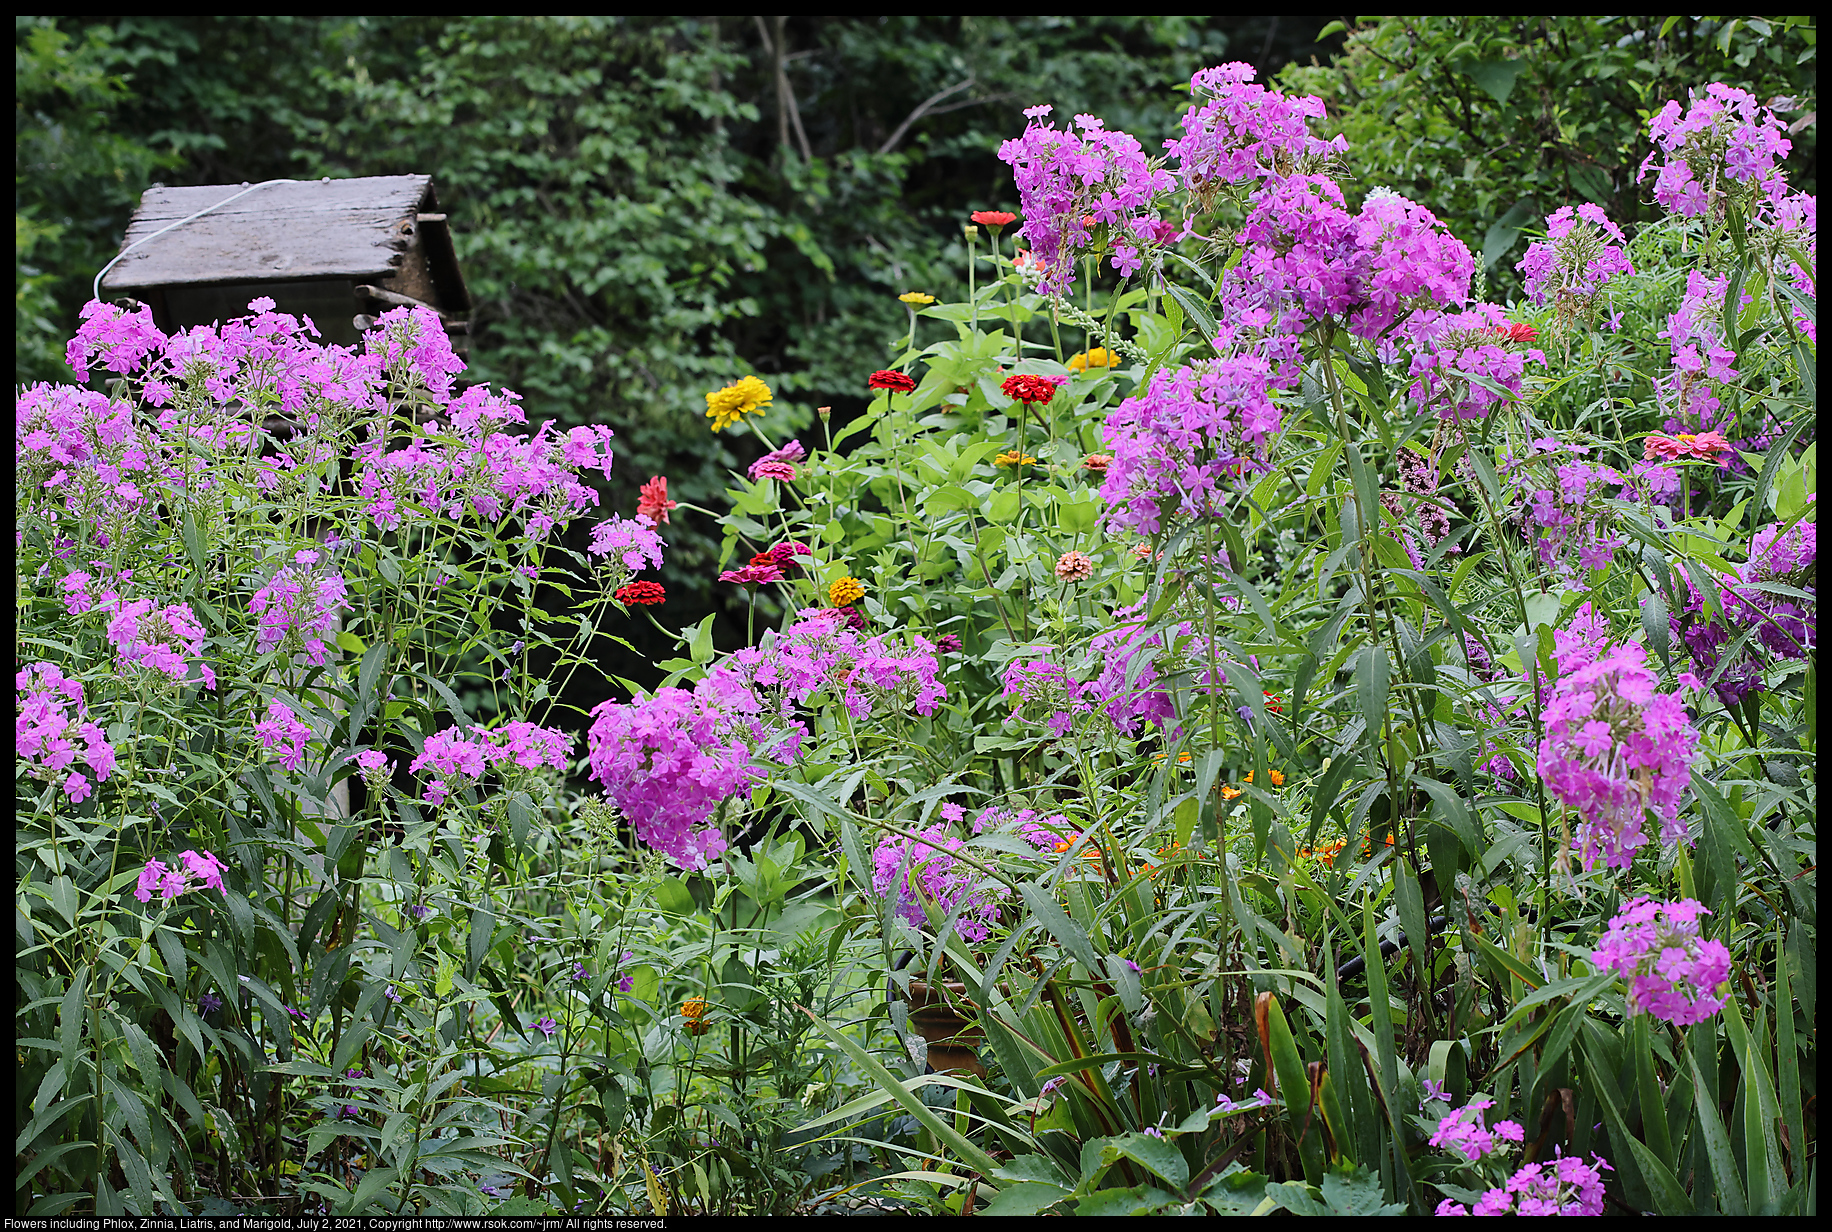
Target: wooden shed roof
{"points": [[320, 229]]}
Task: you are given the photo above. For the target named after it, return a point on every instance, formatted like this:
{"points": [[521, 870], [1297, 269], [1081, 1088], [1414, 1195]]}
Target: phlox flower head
{"points": [[1456, 357], [280, 731], [1583, 250], [1464, 1132], [1074, 179], [190, 870], [629, 542], [112, 339], [1615, 748], [298, 609], [1565, 1185], [1179, 446], [1725, 146], [414, 347], [1672, 973], [1238, 133], [668, 760], [923, 868]]}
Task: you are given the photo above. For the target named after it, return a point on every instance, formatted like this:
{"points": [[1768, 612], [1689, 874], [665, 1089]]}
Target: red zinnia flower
{"points": [[889, 378], [1273, 702], [994, 218], [1517, 331], [652, 501], [1031, 389], [640, 593]]}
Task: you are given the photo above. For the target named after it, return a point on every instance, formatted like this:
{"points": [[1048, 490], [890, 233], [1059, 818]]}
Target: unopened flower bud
{"points": [[823, 411], [971, 231]]}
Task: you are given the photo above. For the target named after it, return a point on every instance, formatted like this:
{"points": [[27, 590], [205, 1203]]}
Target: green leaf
{"points": [[1073, 938], [1078, 517], [946, 1134], [1496, 77], [1025, 1198], [1506, 230], [482, 926], [1003, 505]]}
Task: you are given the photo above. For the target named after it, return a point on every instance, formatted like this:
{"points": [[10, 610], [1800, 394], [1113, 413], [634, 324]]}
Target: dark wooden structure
{"points": [[340, 251]]}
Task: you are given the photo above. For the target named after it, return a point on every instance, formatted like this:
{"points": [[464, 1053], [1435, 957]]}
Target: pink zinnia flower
{"points": [[1706, 445]]}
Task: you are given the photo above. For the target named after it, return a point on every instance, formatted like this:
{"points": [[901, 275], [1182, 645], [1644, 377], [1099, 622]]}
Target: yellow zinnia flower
{"points": [[1099, 357], [845, 590], [726, 406], [916, 297], [1012, 457]]}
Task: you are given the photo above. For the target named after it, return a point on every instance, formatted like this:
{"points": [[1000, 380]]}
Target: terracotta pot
{"points": [[953, 1040]]}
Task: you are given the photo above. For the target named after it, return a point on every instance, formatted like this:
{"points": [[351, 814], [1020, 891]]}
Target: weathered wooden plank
{"points": [[347, 243], [401, 194]]}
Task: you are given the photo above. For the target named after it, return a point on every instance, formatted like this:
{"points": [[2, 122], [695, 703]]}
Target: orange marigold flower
{"points": [[694, 1010], [1229, 791], [1278, 778]]}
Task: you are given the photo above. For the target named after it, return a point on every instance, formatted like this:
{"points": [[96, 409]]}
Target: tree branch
{"points": [[923, 108], [787, 112]]}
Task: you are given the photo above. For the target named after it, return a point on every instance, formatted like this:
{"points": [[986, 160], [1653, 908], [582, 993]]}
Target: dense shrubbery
{"points": [[1218, 718]]}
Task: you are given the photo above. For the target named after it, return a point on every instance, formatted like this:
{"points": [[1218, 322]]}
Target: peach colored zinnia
{"points": [[1075, 567]]}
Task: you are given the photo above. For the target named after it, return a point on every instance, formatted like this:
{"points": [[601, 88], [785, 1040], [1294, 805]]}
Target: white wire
{"points": [[95, 289]]}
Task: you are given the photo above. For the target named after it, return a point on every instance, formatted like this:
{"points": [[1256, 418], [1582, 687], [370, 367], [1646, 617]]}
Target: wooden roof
{"points": [[358, 228]]}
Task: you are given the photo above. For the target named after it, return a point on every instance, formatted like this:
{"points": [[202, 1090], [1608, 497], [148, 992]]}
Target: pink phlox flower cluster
{"points": [[923, 867], [162, 640], [633, 542], [280, 730], [1411, 262], [1672, 972], [668, 760], [298, 607], [821, 654], [1454, 353], [375, 768], [1125, 694], [461, 757], [413, 344], [1463, 1131], [1726, 144], [1792, 224], [1237, 132], [1576, 260], [779, 463], [46, 732], [1702, 361], [1040, 831], [1780, 627], [1066, 178], [1565, 1186], [1572, 514], [1615, 747], [113, 339], [191, 869], [81, 460], [1179, 446]]}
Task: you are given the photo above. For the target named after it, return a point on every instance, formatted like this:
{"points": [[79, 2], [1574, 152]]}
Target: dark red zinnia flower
{"points": [[993, 218], [948, 643], [890, 378], [1030, 389], [642, 593]]}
